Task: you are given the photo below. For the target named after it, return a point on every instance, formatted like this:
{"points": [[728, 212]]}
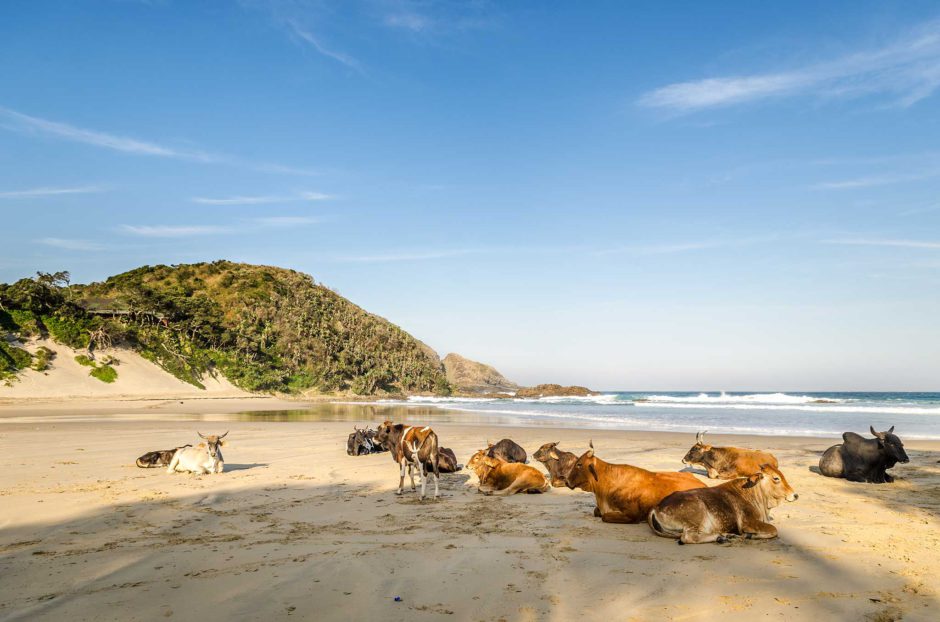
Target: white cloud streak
{"points": [[305, 35], [908, 71], [877, 180], [35, 193], [173, 231], [263, 199], [27, 124], [72, 244], [919, 244], [284, 221]]}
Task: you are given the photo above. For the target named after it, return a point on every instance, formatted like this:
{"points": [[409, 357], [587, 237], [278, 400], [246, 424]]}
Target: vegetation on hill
{"points": [[473, 377], [263, 328]]}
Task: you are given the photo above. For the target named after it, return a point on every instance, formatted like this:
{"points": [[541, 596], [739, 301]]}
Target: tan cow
{"points": [[498, 477], [727, 462], [740, 507], [625, 493]]}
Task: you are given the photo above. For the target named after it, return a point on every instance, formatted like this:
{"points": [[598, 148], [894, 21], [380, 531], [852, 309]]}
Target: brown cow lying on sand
{"points": [[498, 477], [727, 462], [413, 447], [740, 507], [625, 493], [556, 461]]}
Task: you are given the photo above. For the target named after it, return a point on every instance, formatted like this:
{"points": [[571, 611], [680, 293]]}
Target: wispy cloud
{"points": [[262, 199], [907, 70], [411, 256], [924, 244], [72, 244], [676, 247], [877, 180], [27, 124], [173, 231], [284, 221], [307, 36], [49, 192]]}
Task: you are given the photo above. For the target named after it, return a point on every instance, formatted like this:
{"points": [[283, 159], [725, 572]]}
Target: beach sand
{"points": [[297, 529]]}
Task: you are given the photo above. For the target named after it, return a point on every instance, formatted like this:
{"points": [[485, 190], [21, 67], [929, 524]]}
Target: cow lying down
{"points": [[556, 461], [860, 459], [501, 478], [740, 507], [204, 458], [726, 462], [159, 458], [362, 442]]}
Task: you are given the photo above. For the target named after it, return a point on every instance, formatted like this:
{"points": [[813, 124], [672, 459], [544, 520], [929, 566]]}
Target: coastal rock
{"points": [[473, 377], [555, 390]]}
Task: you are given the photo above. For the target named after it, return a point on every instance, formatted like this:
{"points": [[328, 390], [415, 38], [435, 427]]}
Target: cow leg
{"points": [[888, 478], [424, 478], [173, 463], [597, 512], [694, 536], [760, 530], [411, 474], [712, 473], [401, 480], [619, 517]]}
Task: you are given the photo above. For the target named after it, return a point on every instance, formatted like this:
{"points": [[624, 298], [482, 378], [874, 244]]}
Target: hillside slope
{"points": [[473, 377], [264, 328]]}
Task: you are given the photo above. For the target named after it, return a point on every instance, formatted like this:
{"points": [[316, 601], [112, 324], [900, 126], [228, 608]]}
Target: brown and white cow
{"points": [[556, 461], [740, 507], [625, 493], [415, 448], [727, 462], [498, 477]]}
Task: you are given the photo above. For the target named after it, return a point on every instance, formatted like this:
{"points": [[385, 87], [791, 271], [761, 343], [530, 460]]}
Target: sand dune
{"points": [[136, 377], [297, 528]]}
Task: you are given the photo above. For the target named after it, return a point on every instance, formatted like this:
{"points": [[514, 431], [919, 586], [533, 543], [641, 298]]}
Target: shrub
{"points": [[85, 360], [43, 356], [104, 373]]}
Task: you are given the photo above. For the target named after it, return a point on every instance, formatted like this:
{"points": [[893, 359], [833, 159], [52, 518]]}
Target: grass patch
{"points": [[104, 373], [42, 357], [85, 360]]}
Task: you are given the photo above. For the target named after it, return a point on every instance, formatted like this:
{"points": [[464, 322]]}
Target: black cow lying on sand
{"points": [[860, 459], [157, 459], [362, 442], [446, 461], [506, 450]]}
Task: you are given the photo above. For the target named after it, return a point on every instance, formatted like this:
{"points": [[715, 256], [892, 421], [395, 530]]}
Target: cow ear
{"points": [[593, 471], [753, 479], [552, 454]]}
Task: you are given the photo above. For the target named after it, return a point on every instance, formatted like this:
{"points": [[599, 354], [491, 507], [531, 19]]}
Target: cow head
{"points": [[476, 461], [891, 444], [381, 435], [546, 452], [773, 485], [696, 455], [583, 473], [213, 443]]}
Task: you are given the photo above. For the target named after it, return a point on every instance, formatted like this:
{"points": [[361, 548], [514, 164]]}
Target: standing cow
{"points": [[414, 448], [860, 459], [727, 462], [740, 507]]}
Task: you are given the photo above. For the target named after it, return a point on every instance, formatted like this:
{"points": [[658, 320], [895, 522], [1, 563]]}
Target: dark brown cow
{"points": [[557, 462], [740, 507], [506, 450], [414, 447], [498, 477], [727, 462], [447, 461], [625, 493]]}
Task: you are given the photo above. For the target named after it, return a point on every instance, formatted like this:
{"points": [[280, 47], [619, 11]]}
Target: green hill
{"points": [[264, 328]]}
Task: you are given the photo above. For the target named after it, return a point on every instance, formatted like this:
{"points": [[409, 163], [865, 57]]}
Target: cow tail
{"points": [[142, 466], [656, 526], [433, 453]]}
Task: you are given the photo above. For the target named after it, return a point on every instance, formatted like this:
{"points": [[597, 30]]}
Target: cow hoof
{"points": [[680, 542], [597, 512], [721, 540]]}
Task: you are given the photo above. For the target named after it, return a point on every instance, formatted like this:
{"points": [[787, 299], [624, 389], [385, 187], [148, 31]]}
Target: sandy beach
{"points": [[296, 528]]}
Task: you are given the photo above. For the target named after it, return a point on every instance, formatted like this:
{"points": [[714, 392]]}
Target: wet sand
{"points": [[296, 528]]}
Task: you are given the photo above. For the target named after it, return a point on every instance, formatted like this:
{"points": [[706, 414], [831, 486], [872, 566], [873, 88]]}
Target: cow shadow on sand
{"points": [[229, 466]]}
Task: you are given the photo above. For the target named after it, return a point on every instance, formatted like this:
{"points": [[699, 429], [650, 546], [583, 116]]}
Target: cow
{"points": [[501, 478], [362, 442], [624, 493], [739, 507], [412, 447], [157, 459], [860, 459], [507, 451], [557, 462], [447, 461], [203, 458], [726, 462]]}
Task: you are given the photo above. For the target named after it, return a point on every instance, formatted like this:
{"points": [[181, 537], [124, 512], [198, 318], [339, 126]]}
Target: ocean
{"points": [[914, 415]]}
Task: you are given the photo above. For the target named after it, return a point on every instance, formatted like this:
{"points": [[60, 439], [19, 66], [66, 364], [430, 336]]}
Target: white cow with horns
{"points": [[203, 458]]}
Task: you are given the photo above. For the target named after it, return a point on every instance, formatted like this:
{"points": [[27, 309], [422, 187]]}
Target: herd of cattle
{"points": [[675, 504]]}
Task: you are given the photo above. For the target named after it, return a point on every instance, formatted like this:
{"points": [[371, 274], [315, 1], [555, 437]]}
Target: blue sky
{"points": [[625, 195]]}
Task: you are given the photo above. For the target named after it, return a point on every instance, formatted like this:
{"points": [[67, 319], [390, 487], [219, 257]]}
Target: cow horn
{"points": [[698, 437], [891, 430], [224, 435], [590, 452], [876, 434], [200, 434]]}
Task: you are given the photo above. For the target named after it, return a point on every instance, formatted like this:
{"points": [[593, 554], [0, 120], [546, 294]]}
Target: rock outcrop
{"points": [[472, 377], [554, 390]]}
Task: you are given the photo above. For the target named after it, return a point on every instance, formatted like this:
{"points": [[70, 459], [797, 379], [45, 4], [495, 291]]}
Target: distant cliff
{"points": [[555, 390], [473, 377]]}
